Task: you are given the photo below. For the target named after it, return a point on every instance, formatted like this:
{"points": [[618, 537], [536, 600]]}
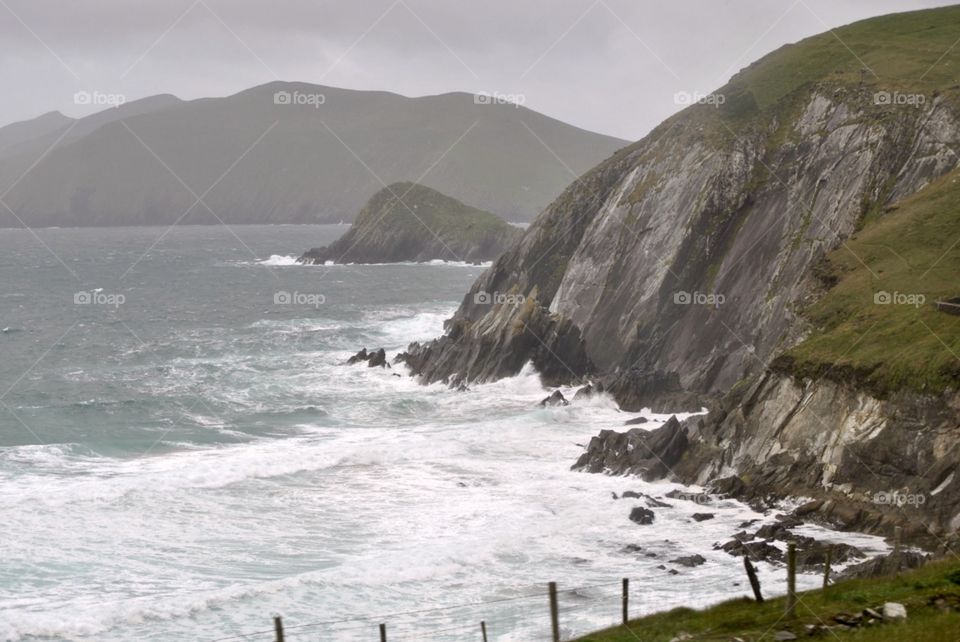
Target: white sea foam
{"points": [[280, 260]]}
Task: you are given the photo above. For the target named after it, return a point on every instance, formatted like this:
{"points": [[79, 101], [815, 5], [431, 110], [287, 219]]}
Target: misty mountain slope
{"points": [[410, 222], [302, 163], [683, 261], [15, 134]]}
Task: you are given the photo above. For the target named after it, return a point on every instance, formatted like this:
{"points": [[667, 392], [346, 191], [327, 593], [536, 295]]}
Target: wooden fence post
{"points": [[554, 611], [383, 633], [278, 627], [826, 568], [483, 630], [752, 576], [791, 580], [626, 599]]}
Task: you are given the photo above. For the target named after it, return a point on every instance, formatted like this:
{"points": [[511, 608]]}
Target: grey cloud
{"points": [[611, 66]]}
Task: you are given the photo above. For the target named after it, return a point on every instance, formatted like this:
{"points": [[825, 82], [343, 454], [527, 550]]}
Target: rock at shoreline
{"points": [[689, 561], [641, 515], [555, 399], [636, 421], [702, 517], [374, 359], [412, 222], [648, 453]]}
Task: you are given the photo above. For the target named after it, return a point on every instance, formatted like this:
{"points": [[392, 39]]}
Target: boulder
{"points": [[636, 421], [702, 517], [894, 611], [641, 515], [689, 561]]}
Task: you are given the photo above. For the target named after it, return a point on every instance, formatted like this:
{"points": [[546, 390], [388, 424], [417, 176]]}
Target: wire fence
{"points": [[536, 614]]}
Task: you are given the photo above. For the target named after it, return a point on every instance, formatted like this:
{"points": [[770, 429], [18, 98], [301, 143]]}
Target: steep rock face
{"points": [[411, 222], [688, 253]]}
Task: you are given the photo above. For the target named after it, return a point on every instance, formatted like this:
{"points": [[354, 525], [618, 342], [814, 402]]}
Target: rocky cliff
{"points": [[411, 222], [755, 249], [682, 261]]}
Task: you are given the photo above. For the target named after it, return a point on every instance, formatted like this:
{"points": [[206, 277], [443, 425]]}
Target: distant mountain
{"points": [[410, 222], [290, 153], [13, 136]]}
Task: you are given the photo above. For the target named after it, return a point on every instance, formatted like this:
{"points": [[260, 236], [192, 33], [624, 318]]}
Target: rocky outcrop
{"points": [[411, 222], [867, 464], [648, 453]]}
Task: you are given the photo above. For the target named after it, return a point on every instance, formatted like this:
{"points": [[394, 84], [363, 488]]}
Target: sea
{"points": [[185, 456]]}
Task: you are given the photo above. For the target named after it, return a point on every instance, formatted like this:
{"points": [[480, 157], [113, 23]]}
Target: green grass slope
{"points": [[749, 621], [878, 324]]}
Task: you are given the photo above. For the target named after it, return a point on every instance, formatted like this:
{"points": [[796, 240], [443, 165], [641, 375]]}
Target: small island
{"points": [[408, 222]]}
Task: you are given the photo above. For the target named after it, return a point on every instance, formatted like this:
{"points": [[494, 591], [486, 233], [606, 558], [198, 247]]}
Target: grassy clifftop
{"points": [[878, 324]]}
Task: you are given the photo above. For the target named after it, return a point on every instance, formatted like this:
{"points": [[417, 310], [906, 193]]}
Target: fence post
{"points": [[554, 612], [826, 568], [483, 629], [278, 627], [626, 599], [791, 580], [383, 633], [754, 582]]}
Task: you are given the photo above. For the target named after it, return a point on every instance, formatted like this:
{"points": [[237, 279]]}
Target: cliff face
{"points": [[410, 222], [688, 254], [704, 259]]}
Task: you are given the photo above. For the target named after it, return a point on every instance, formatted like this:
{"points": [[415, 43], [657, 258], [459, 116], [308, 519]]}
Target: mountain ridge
{"points": [[263, 160]]}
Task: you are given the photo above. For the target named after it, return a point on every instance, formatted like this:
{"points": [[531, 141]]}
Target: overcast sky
{"points": [[612, 66]]}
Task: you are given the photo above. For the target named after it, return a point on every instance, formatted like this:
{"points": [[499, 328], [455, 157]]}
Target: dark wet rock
{"points": [[357, 358], [756, 551], [702, 517], [632, 548], [748, 523], [770, 532], [636, 421], [673, 571], [510, 335], [689, 561], [588, 392], [555, 399], [649, 454], [632, 494], [641, 515], [378, 359]]}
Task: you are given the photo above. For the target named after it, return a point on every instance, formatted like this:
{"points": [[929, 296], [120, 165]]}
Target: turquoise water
{"points": [[183, 456]]}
